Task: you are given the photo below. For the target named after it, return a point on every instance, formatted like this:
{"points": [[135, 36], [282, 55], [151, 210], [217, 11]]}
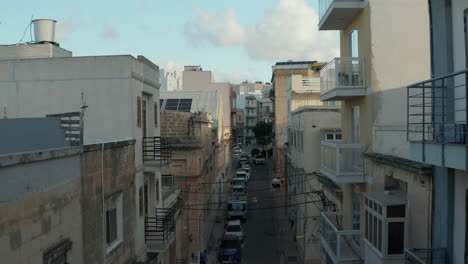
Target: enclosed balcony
{"points": [[339, 245], [426, 256], [343, 163], [156, 151], [343, 79], [338, 14], [437, 121]]}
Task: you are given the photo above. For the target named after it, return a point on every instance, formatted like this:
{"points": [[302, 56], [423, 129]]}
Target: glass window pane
{"points": [[374, 242], [396, 210], [338, 136], [329, 136], [379, 236], [367, 224], [396, 238]]}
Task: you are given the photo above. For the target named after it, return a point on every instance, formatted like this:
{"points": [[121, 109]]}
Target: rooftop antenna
{"points": [[25, 30]]}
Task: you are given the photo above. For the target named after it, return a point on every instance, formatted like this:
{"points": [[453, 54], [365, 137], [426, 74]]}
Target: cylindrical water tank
{"points": [[44, 30]]}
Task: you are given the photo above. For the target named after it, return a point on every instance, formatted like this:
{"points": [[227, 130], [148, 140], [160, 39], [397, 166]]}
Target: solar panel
{"points": [[172, 104], [181, 105]]}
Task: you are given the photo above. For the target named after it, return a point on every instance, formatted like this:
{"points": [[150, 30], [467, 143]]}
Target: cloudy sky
{"points": [[237, 39]]}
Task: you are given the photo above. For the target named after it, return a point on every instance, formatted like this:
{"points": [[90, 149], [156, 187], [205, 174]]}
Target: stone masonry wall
{"points": [[117, 166], [175, 124]]}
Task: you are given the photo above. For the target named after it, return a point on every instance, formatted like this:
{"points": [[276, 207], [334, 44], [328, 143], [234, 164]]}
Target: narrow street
{"points": [[268, 237]]}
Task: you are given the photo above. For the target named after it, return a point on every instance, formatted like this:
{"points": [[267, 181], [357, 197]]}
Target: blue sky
{"points": [[236, 39]]}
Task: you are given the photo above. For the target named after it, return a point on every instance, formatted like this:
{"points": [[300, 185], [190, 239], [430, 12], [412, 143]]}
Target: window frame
{"points": [[373, 212], [114, 203], [139, 119]]}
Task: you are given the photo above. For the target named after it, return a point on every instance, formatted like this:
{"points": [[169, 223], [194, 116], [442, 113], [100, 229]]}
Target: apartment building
{"points": [[115, 98], [387, 198], [171, 80], [240, 129], [309, 122], [278, 94], [194, 163], [436, 117], [251, 118], [62, 203], [265, 110]]}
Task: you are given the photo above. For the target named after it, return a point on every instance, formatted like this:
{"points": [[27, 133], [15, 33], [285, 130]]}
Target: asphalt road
{"points": [[268, 239]]}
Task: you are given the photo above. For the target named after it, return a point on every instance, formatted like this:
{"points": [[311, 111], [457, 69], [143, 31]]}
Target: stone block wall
{"points": [[175, 124], [116, 166]]}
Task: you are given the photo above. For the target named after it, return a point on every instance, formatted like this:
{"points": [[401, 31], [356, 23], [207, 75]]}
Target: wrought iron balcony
{"points": [[156, 151], [342, 79], [437, 120], [341, 246], [160, 230], [343, 163], [425, 256], [338, 14]]}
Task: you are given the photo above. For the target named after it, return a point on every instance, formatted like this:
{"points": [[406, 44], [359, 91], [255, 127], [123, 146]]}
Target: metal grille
{"points": [[437, 111], [156, 149], [72, 124], [161, 228]]}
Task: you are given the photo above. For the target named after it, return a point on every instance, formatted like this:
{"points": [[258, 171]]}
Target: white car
{"points": [[237, 150], [276, 182], [243, 174], [246, 166], [234, 228]]}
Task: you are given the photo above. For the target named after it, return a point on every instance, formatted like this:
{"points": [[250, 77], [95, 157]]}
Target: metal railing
{"points": [[425, 256], [339, 73], [437, 110], [340, 244], [324, 5], [342, 159], [157, 150], [159, 230]]}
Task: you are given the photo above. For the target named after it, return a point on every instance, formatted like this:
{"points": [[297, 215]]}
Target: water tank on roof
{"points": [[44, 30]]}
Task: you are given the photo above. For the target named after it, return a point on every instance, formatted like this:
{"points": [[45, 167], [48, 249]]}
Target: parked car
{"points": [[239, 190], [234, 228], [246, 167], [243, 161], [230, 256], [230, 242], [243, 174], [237, 149], [259, 160], [276, 182]]}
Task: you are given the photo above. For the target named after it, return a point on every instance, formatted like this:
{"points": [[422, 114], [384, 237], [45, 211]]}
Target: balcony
{"points": [[156, 151], [425, 256], [340, 246], [343, 163], [160, 230], [338, 14], [343, 79], [437, 121]]}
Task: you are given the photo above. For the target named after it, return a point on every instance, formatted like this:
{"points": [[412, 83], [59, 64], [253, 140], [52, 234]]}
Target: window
{"points": [[58, 253], [146, 198], [354, 43], [330, 137], [155, 114], [337, 136], [157, 190], [113, 235], [140, 201], [139, 111], [385, 226]]}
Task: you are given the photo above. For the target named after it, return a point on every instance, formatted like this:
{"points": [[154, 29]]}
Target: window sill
{"points": [[113, 246]]}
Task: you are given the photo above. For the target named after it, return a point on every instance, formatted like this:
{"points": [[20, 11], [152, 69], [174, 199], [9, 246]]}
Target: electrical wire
{"points": [[249, 209]]}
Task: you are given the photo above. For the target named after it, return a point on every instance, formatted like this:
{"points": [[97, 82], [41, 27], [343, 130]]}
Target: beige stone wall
{"points": [[174, 124], [31, 226]]}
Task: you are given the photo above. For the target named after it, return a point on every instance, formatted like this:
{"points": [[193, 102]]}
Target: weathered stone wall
{"points": [[45, 211], [175, 124], [116, 165]]}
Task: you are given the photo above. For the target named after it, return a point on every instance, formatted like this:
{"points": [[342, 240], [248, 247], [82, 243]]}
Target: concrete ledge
{"points": [[405, 164], [108, 145], [35, 156]]}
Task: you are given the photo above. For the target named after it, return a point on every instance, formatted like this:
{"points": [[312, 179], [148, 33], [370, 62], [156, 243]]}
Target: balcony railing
{"points": [[437, 110], [437, 120], [337, 14], [425, 256], [156, 151], [343, 163], [343, 78], [342, 246], [160, 230]]}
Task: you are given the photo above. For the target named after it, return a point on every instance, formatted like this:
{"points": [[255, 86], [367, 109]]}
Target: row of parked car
{"points": [[230, 250]]}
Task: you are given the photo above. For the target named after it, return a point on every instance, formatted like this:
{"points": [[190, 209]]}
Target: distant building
{"points": [[171, 80], [251, 118]]}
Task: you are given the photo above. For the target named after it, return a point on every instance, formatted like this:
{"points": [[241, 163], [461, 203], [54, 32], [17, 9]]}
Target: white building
{"points": [[171, 80], [118, 97]]}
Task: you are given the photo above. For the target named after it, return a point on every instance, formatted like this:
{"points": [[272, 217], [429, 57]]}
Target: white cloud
{"points": [[67, 27], [220, 30], [289, 31], [110, 32]]}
